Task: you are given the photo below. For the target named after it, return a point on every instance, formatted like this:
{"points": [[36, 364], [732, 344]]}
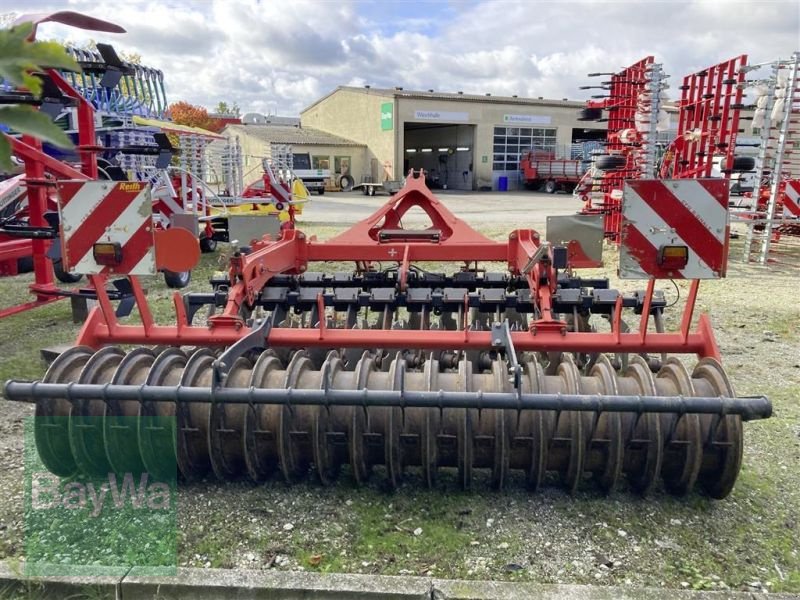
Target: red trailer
{"points": [[541, 167]]}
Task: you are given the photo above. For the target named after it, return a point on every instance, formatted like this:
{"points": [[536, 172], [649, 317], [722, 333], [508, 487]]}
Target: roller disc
{"points": [[359, 423], [192, 419], [119, 426], [261, 454], [536, 431], [157, 423], [327, 466], [86, 419], [50, 425], [465, 430], [574, 438], [430, 427], [608, 428], [292, 466], [683, 450], [502, 433], [643, 433], [226, 425], [392, 426], [722, 457]]}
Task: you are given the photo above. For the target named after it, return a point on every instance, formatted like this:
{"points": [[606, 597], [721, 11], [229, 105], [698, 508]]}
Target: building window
{"points": [[320, 162], [341, 165], [509, 143]]}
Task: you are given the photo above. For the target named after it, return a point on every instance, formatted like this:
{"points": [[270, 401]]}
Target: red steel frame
{"points": [[624, 90], [457, 242], [708, 121], [37, 166]]}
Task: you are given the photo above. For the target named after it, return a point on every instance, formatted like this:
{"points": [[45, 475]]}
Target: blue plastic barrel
{"points": [[502, 184]]}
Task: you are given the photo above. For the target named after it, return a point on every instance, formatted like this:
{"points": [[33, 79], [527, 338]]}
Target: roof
{"points": [[281, 134], [253, 118], [454, 96], [174, 127]]}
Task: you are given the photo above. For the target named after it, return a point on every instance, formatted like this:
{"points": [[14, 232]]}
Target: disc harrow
{"points": [[233, 440], [282, 372]]}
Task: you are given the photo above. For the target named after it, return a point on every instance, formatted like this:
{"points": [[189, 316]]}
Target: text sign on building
{"points": [[387, 116], [528, 119], [441, 115]]}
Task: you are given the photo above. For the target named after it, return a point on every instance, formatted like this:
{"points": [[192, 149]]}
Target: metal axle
{"points": [[749, 407]]}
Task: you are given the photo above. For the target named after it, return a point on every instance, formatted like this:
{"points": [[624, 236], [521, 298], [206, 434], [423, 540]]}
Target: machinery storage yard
{"points": [[458, 338]]}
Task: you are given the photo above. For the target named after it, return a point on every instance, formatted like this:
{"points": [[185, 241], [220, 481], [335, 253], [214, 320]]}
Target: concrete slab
{"points": [[212, 584], [447, 589], [14, 584]]}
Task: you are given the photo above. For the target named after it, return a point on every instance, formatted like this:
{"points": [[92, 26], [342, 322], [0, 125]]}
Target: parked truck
{"points": [[314, 179], [542, 168]]}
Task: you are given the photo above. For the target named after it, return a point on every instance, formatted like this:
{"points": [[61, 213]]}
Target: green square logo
{"points": [[387, 116], [95, 517]]}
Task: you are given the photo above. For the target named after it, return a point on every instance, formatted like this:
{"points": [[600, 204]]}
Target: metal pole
{"points": [[791, 83], [749, 408]]}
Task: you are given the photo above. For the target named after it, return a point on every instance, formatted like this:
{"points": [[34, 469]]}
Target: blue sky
{"points": [[279, 56]]}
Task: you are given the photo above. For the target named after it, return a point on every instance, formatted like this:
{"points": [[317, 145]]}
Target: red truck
{"points": [[541, 167]]}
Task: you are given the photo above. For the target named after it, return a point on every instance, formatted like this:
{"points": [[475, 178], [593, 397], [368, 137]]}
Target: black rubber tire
{"points": [[62, 275], [346, 183], [371, 190], [743, 164], [177, 281], [610, 162], [25, 264], [208, 245], [550, 186], [590, 114], [321, 191], [365, 190]]}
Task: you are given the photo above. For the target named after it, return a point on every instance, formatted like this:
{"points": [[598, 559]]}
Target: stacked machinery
{"points": [[776, 210], [112, 109]]}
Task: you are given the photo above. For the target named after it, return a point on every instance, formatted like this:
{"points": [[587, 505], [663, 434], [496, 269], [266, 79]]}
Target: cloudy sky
{"points": [[278, 56]]}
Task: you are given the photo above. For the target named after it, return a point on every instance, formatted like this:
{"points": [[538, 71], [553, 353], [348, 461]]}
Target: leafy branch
{"points": [[19, 60]]}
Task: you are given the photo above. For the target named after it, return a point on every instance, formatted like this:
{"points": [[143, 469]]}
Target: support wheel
{"points": [[208, 245], [550, 186], [177, 280]]}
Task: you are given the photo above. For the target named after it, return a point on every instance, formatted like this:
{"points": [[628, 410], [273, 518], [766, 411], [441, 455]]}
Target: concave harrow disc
{"points": [[262, 440]]}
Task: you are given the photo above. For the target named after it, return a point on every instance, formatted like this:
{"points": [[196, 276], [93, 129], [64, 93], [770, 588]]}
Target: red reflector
{"points": [[673, 257], [107, 254]]}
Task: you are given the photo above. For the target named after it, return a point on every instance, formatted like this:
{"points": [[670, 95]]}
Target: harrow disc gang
{"points": [[240, 439]]}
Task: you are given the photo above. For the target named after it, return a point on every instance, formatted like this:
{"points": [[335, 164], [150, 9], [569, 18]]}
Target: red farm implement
{"points": [[397, 366], [130, 159], [704, 146]]}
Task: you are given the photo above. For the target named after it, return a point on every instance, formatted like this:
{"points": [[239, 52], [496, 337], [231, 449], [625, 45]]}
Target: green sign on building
{"points": [[387, 116]]}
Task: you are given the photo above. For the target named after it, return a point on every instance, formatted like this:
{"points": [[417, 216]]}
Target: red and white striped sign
{"points": [[791, 199], [674, 212], [116, 212]]}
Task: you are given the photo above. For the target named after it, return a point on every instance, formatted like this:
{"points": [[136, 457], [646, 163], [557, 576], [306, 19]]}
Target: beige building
{"points": [[327, 151], [464, 141]]}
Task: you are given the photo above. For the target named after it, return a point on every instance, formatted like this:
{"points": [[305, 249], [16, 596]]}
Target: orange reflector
{"points": [[673, 257], [107, 253]]}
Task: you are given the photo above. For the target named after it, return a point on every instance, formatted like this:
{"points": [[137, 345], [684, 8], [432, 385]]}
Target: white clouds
{"points": [[276, 55]]}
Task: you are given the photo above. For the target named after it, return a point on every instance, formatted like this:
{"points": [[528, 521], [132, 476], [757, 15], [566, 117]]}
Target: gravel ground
{"points": [[748, 541]]}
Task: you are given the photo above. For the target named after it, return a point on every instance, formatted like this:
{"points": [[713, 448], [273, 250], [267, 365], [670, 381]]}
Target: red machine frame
{"points": [[380, 238], [624, 89]]}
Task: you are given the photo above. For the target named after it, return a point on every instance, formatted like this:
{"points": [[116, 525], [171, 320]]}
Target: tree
{"points": [[222, 108], [19, 57], [184, 113]]}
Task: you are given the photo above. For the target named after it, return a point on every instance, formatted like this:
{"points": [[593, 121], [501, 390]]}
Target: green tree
{"points": [[19, 59], [222, 108]]}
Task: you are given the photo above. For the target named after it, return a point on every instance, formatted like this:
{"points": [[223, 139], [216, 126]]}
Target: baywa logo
{"points": [[107, 523], [49, 492]]}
